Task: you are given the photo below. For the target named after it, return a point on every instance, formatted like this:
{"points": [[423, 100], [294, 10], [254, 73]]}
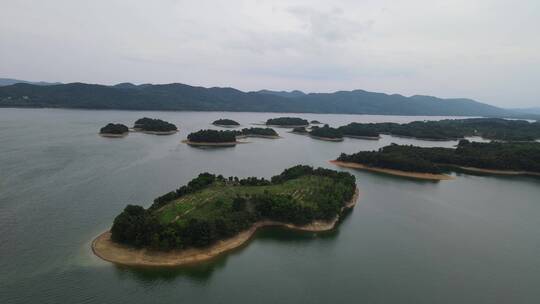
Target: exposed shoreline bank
{"points": [[497, 172], [417, 175], [362, 137], [111, 135], [333, 139], [106, 249], [211, 144], [227, 126]]}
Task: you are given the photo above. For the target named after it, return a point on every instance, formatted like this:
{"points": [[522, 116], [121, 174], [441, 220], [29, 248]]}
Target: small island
{"points": [[226, 123], [326, 133], [315, 122], [360, 131], [287, 122], [212, 138], [154, 126], [212, 214], [258, 132], [300, 130], [114, 130], [509, 158]]}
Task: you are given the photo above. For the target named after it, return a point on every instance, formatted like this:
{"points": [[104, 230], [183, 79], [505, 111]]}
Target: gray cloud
{"points": [[478, 49]]}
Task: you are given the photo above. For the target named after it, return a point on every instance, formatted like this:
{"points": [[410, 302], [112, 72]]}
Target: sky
{"points": [[487, 50]]}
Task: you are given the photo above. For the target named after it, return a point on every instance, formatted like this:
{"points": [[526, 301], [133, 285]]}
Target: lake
{"points": [[474, 239]]}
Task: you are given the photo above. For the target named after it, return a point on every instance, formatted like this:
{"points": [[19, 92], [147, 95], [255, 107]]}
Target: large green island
{"points": [[212, 214], [154, 126], [212, 138], [114, 130], [508, 158], [287, 122], [449, 129]]}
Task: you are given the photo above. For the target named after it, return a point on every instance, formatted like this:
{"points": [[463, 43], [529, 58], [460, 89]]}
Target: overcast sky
{"points": [[486, 50]]}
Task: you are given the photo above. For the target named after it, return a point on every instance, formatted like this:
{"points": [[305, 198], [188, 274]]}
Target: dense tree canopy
{"points": [[301, 130], [154, 125], [258, 132], [519, 156], [299, 195], [326, 132], [451, 129], [287, 121], [112, 128], [212, 136], [225, 122], [360, 130]]}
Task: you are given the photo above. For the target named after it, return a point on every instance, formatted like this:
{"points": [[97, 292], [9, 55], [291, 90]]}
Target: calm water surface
{"points": [[474, 239]]}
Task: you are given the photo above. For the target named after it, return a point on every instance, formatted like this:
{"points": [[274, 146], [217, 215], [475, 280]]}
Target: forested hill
{"points": [[183, 97]]}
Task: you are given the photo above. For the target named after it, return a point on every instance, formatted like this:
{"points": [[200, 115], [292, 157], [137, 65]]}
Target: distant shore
{"points": [[116, 253], [418, 175]]}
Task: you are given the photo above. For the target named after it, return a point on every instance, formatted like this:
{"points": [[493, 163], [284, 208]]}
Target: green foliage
{"points": [[259, 131], [213, 136], [451, 129], [301, 130], [154, 125], [210, 208], [358, 129], [287, 121], [327, 132], [519, 156], [112, 128], [226, 122]]}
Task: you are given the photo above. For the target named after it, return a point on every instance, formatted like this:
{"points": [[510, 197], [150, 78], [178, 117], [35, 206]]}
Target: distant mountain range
{"points": [[9, 81], [182, 97]]}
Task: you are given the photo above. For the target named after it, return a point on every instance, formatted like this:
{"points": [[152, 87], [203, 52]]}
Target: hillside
{"points": [[181, 97]]}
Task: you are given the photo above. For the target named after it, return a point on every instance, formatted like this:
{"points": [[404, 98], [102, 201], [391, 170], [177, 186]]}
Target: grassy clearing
{"points": [[211, 202]]}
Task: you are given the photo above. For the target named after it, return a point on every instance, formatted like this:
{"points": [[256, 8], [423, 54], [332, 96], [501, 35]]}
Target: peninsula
{"points": [[449, 129], [510, 158], [114, 130], [154, 126], [212, 214]]}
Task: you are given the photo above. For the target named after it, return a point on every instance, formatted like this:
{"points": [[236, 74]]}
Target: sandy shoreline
{"points": [[362, 137], [110, 135], [259, 136], [326, 138], [498, 172], [106, 249], [211, 144], [424, 176], [227, 126]]}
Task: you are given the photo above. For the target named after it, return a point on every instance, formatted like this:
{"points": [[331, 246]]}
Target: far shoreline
{"points": [[106, 249], [417, 175]]}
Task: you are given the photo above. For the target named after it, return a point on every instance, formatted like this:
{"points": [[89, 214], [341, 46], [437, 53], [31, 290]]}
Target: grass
{"points": [[211, 202]]}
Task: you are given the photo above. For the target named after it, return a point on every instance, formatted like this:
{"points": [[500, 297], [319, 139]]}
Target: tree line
{"points": [[518, 156]]}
